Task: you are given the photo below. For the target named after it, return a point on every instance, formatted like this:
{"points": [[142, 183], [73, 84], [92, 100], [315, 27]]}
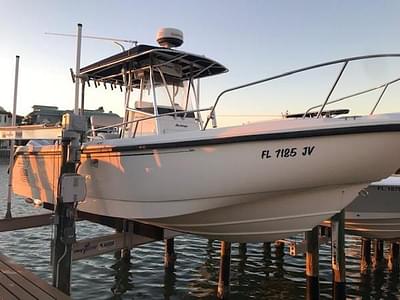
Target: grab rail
{"points": [[177, 113], [384, 85], [345, 61]]}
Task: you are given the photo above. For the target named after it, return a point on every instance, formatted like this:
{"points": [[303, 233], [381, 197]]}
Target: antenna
{"points": [[116, 41]]}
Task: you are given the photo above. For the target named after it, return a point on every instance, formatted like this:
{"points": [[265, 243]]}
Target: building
{"points": [[43, 114], [5, 120]]}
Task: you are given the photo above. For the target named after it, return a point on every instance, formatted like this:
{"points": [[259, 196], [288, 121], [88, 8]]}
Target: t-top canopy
{"points": [[178, 64]]}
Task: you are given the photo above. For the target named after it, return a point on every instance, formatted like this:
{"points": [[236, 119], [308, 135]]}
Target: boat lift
{"points": [[71, 190]]}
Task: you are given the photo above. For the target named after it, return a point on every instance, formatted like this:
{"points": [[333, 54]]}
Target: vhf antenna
{"points": [[116, 41]]}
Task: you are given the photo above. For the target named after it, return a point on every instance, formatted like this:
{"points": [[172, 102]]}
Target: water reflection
{"points": [[169, 282], [365, 284], [123, 275]]}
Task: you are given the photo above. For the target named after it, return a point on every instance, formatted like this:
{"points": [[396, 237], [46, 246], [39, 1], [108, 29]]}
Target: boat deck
{"points": [[19, 283]]}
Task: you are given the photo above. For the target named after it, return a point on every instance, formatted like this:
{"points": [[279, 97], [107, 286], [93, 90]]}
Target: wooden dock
{"points": [[19, 283]]}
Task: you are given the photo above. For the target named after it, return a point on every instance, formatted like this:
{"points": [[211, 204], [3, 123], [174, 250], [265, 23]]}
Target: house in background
{"points": [[95, 118], [44, 114], [5, 120]]}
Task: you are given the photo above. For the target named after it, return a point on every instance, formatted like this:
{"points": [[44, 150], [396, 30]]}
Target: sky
{"points": [[253, 39]]}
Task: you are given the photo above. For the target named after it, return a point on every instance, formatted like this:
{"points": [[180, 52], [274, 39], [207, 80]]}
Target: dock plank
{"points": [[13, 287], [33, 279], [28, 286], [5, 294]]}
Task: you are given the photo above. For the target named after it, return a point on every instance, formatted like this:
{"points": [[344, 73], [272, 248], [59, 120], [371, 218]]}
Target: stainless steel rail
{"points": [[385, 85], [345, 61], [177, 113]]}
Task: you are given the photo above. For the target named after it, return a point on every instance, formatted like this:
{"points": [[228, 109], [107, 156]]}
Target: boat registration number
{"points": [[287, 152]]}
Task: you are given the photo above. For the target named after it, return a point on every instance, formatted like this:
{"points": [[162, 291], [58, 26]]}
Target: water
{"points": [[257, 274]]}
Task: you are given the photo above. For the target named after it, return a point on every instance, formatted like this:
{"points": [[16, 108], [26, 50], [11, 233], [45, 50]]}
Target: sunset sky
{"points": [[253, 39]]}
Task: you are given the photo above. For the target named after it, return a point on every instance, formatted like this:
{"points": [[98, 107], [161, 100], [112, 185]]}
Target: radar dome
{"points": [[169, 37]]}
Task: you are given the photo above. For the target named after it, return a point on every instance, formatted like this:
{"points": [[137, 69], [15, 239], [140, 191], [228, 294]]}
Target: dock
{"points": [[18, 283]]}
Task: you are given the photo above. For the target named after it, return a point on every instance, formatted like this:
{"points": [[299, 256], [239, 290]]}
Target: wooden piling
{"points": [[124, 253], [242, 249], [393, 261], [325, 231], [338, 256], [169, 254], [64, 235], [224, 271], [312, 264], [365, 261], [267, 248], [378, 254]]}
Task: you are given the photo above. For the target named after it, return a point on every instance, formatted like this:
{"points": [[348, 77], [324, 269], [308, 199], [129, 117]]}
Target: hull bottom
{"points": [[382, 227], [372, 226], [277, 216]]}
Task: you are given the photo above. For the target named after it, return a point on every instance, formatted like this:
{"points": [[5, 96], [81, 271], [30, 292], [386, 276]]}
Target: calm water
{"points": [[257, 274]]}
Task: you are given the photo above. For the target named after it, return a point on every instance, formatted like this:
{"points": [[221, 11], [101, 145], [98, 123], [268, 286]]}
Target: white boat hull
{"points": [[376, 213], [251, 190]]}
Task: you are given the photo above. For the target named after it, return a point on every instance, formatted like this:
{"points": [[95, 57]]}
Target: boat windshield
{"points": [[164, 91]]}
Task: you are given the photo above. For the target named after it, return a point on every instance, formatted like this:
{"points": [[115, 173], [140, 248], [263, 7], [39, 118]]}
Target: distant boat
{"points": [[256, 182], [375, 213]]}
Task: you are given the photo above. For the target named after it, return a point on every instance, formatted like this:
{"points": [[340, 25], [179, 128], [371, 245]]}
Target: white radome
{"points": [[169, 37]]}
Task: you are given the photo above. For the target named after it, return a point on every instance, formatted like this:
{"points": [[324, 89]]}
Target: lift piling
{"points": [[338, 256], [378, 257], [224, 271], [393, 261], [169, 254], [312, 263], [365, 260]]}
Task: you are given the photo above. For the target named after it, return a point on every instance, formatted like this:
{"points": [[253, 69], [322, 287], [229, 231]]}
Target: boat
{"points": [[256, 182], [375, 213]]}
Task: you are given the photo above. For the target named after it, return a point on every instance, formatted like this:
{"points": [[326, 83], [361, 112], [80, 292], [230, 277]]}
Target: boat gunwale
{"points": [[107, 148]]}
